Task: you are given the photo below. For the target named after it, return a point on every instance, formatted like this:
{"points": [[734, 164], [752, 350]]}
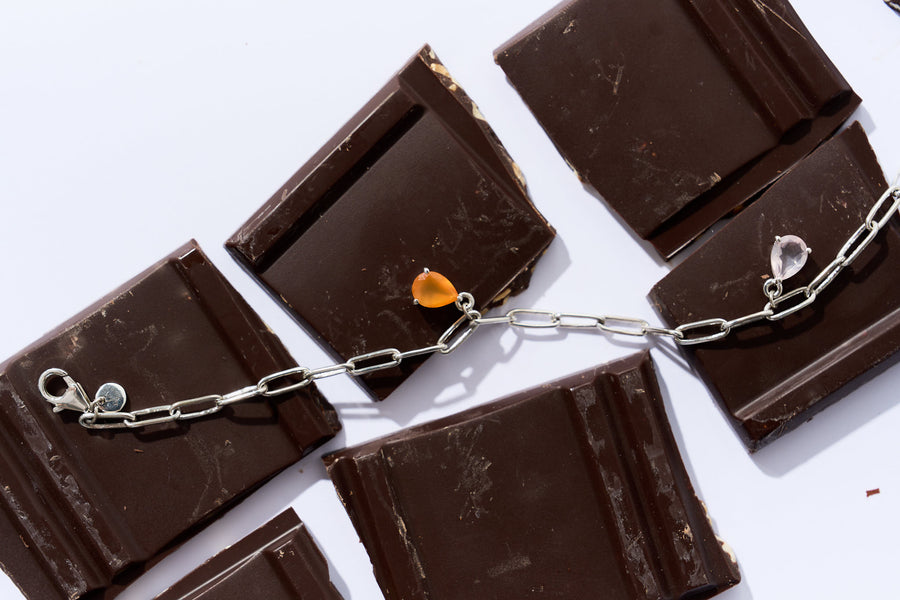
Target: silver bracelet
{"points": [[433, 290]]}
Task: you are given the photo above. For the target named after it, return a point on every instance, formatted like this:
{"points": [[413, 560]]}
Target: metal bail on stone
{"points": [[789, 254]]}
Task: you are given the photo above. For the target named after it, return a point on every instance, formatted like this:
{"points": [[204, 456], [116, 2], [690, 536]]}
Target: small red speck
{"points": [[870, 493]]}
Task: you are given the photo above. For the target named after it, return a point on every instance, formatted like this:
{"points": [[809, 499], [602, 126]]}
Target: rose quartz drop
{"points": [[788, 256]]}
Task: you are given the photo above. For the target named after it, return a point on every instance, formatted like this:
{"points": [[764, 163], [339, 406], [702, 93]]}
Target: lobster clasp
{"points": [[74, 398]]}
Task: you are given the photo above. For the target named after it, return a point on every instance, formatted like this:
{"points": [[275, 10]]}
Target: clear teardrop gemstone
{"points": [[788, 256]]}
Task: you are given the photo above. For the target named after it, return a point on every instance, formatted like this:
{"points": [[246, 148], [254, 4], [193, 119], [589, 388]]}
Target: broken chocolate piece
{"points": [[772, 376], [416, 179], [81, 507], [278, 560], [571, 490], [677, 112]]}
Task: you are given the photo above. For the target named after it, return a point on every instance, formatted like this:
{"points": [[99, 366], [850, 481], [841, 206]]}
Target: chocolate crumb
{"points": [[870, 493]]}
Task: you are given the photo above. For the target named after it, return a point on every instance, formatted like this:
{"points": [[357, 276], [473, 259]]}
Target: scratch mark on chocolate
{"points": [[715, 286], [570, 27], [151, 333], [612, 74], [404, 534], [474, 480], [209, 461], [619, 70], [749, 59], [763, 7], [628, 533], [515, 563]]}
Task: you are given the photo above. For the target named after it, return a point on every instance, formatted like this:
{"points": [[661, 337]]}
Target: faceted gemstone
{"points": [[788, 256], [433, 290]]}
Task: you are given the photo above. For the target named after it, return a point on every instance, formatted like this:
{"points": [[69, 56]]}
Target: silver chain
{"points": [[95, 414]]}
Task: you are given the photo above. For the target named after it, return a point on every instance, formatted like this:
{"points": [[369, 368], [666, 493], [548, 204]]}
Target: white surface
{"points": [[126, 131]]}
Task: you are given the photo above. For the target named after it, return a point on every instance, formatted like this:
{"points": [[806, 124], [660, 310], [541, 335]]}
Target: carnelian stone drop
{"points": [[433, 290]]}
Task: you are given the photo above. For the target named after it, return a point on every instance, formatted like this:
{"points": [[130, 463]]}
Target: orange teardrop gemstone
{"points": [[433, 290]]}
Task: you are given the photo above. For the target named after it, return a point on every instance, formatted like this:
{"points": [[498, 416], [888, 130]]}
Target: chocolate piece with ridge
{"points": [[772, 376], [279, 560], [677, 112], [571, 490], [81, 508], [416, 179]]}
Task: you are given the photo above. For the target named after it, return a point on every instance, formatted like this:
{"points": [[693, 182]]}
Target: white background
{"points": [[128, 128]]}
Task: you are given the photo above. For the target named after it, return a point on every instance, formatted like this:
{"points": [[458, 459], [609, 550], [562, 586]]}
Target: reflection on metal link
{"points": [[779, 306]]}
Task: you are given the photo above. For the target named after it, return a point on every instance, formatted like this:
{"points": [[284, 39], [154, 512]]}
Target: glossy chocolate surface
{"points": [[677, 111], [416, 179], [80, 507], [771, 377], [571, 490], [278, 561]]}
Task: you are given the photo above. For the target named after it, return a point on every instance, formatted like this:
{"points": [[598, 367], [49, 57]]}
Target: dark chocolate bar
{"points": [[772, 376], [677, 111], [571, 490], [80, 507], [278, 560], [416, 179]]}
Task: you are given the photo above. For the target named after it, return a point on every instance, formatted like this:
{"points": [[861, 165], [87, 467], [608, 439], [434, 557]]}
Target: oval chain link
{"points": [[779, 306]]}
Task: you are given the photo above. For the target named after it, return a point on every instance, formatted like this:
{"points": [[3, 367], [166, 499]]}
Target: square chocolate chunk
{"points": [[771, 376], [571, 490], [677, 111], [81, 508], [416, 179]]}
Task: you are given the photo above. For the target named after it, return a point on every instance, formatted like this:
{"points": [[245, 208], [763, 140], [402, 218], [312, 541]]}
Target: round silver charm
{"points": [[111, 397]]}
